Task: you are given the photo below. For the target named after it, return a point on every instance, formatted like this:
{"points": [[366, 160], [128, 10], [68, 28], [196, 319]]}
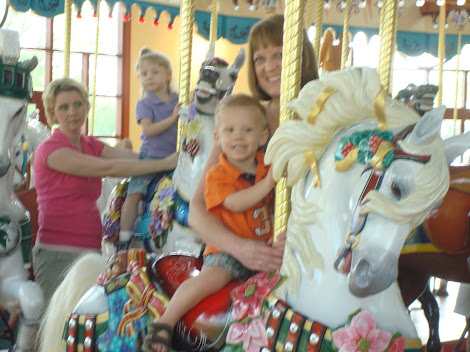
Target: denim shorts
{"points": [[140, 184], [229, 263]]}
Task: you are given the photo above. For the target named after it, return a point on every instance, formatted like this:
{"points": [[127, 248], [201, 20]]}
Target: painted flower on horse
{"points": [[162, 208], [249, 314], [361, 335]]}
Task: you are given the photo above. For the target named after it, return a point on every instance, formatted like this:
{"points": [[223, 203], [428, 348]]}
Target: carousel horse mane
{"points": [[352, 99], [65, 298]]}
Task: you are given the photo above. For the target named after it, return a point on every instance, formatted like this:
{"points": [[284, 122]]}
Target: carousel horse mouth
{"points": [[365, 281]]}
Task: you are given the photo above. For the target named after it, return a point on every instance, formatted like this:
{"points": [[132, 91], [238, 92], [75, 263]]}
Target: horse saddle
{"points": [[448, 227], [205, 326]]}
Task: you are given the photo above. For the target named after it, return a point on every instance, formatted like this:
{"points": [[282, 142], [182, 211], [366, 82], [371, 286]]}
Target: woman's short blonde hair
{"points": [[269, 31], [58, 86]]}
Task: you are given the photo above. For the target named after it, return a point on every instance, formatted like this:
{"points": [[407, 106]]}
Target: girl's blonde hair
{"points": [[270, 31], [156, 58], [58, 86]]}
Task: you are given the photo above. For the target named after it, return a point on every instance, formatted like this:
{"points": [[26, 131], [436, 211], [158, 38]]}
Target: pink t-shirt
{"points": [[68, 214]]}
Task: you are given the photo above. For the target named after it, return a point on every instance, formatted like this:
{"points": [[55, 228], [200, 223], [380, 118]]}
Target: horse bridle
{"points": [[373, 183]]}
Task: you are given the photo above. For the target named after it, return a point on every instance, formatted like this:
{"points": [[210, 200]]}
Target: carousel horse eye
{"points": [[233, 76], [395, 190]]}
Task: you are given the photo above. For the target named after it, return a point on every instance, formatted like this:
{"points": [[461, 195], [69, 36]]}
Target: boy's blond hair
{"points": [[58, 86], [240, 100]]}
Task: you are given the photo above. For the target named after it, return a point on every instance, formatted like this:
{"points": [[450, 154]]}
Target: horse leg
{"points": [[22, 296], [431, 311], [31, 302], [415, 285]]}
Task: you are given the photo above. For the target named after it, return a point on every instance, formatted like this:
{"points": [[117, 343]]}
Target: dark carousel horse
{"points": [[441, 246]]}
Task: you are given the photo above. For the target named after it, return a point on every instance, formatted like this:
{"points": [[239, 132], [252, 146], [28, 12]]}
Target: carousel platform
{"points": [[451, 324]]}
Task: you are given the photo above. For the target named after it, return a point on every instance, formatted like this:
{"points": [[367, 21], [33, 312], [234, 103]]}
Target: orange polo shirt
{"points": [[222, 180]]}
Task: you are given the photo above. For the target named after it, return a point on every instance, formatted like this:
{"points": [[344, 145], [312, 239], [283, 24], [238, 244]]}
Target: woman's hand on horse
{"points": [[260, 256], [171, 161]]}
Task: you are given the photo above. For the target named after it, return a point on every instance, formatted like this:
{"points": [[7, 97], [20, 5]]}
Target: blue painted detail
{"points": [[181, 210], [109, 341]]}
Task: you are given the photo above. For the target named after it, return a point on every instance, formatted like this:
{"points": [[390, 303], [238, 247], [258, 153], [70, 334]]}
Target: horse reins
{"points": [[373, 183]]}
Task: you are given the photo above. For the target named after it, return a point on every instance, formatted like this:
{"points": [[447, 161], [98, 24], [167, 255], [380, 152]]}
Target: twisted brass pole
{"points": [[290, 86], [387, 42], [318, 29], [67, 36], [441, 49], [214, 14], [308, 12], [456, 112], [186, 37], [345, 45]]}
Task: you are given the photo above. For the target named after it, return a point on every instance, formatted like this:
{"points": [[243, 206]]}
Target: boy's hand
{"points": [[269, 181]]}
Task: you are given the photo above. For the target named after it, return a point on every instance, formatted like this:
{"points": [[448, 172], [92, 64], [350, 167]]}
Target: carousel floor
{"points": [[450, 327]]}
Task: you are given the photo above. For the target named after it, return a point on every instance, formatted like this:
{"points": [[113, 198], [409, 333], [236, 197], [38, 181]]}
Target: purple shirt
{"points": [[153, 108]]}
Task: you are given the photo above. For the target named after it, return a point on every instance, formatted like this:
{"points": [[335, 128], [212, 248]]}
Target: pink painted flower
{"points": [[248, 297], [252, 334], [398, 345], [361, 335]]}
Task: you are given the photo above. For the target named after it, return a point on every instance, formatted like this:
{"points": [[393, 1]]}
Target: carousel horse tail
{"points": [[81, 276]]}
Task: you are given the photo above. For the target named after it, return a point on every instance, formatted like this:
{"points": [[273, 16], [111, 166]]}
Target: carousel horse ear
{"points": [[239, 60], [210, 51], [30, 64], [428, 126], [455, 146]]}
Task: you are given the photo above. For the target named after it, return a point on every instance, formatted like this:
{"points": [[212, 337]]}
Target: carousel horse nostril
{"points": [[4, 167]]}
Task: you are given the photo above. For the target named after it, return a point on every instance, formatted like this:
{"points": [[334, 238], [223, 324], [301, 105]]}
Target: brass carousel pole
{"points": [[388, 31], [442, 48], [456, 111], [186, 37], [290, 87], [67, 36], [345, 45], [308, 11], [318, 29], [214, 14]]}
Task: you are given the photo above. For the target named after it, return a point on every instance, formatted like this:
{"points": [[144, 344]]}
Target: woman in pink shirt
{"points": [[68, 168]]}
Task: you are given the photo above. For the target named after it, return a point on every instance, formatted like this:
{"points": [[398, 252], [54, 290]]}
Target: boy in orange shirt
{"points": [[239, 191]]}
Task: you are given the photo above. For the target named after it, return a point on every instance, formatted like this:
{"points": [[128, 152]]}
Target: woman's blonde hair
{"points": [[147, 55], [58, 86], [269, 31]]}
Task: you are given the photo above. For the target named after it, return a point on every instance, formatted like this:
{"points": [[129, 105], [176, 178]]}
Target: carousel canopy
{"points": [[416, 34]]}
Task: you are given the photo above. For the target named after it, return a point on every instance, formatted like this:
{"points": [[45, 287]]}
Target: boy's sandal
{"points": [[152, 337]]}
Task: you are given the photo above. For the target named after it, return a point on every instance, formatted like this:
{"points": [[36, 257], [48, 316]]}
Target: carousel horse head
{"points": [[365, 172], [420, 98], [15, 92], [216, 79]]}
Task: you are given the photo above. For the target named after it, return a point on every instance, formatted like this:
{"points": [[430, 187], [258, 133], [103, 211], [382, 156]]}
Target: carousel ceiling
{"points": [[417, 32]]}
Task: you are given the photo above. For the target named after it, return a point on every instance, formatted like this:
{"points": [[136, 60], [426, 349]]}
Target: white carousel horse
{"points": [[34, 132], [17, 294], [166, 215], [345, 252], [385, 189]]}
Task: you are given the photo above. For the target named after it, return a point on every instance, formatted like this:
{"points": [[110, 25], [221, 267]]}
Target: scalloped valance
{"points": [[236, 29]]}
